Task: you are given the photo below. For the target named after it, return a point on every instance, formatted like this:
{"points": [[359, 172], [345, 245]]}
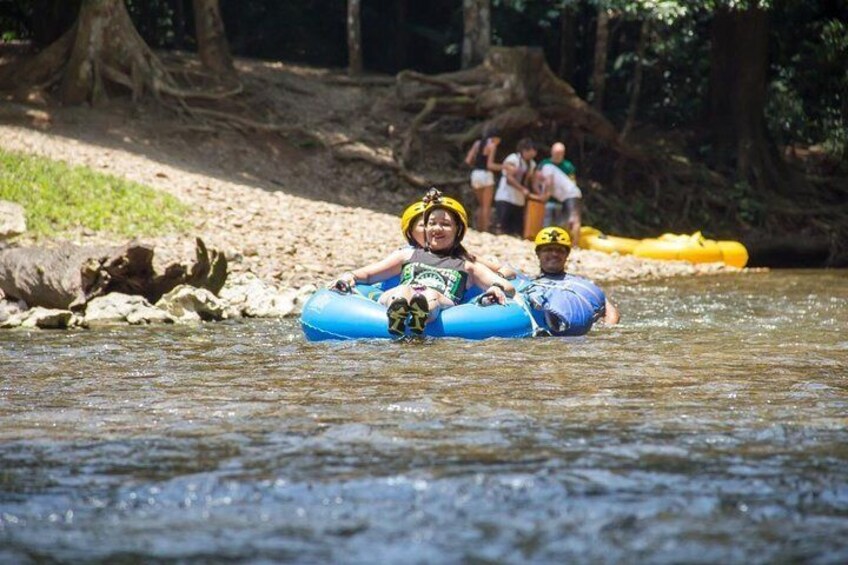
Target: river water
{"points": [[710, 426]]}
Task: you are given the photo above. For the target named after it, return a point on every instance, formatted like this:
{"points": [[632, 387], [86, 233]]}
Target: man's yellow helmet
{"points": [[408, 218], [553, 236]]}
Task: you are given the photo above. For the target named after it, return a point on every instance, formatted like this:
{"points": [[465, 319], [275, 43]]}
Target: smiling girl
{"points": [[434, 277]]}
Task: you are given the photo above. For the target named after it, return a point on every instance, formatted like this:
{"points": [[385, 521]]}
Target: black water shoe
{"points": [[419, 308], [397, 312]]}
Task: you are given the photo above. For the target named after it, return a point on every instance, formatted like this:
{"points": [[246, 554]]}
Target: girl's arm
{"points": [[379, 271], [496, 267], [490, 151], [472, 154], [495, 286]]}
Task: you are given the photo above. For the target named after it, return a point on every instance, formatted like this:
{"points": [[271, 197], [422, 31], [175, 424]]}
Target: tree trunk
{"points": [[599, 72], [106, 47], [738, 73], [477, 31], [567, 43], [637, 79], [212, 43], [67, 277], [354, 38], [102, 48]]}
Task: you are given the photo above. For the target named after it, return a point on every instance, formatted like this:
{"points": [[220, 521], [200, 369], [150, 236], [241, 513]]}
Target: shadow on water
{"points": [[708, 427]]}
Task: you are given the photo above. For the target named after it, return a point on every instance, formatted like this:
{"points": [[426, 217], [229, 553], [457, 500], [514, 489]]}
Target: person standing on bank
{"points": [[481, 157], [557, 176], [512, 192]]}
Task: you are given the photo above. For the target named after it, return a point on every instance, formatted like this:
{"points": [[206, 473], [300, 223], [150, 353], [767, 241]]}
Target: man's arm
{"points": [[509, 170], [612, 315]]}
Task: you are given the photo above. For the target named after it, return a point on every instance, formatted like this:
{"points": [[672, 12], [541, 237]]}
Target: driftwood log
{"points": [[67, 277]]}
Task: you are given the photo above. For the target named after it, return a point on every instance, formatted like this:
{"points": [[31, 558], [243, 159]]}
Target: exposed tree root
{"points": [[514, 90], [101, 51], [350, 150]]}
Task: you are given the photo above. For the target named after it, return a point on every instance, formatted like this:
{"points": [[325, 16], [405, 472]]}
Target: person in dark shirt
{"points": [[481, 158]]}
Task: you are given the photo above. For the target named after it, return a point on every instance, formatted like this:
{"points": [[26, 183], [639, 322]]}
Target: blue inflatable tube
{"points": [[332, 315], [577, 302]]}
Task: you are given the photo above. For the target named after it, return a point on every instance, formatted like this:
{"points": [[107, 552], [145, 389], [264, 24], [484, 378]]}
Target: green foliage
{"points": [[155, 20], [58, 197], [749, 208], [808, 94]]}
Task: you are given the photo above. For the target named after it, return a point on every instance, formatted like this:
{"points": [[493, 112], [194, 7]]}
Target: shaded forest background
{"points": [[729, 119]]}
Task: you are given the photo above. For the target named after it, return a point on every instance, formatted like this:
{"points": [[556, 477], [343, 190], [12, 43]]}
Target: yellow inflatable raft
{"points": [[693, 248], [733, 253], [591, 238]]}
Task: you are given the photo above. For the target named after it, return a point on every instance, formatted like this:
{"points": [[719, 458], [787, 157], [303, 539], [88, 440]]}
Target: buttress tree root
{"points": [[513, 89], [103, 49]]}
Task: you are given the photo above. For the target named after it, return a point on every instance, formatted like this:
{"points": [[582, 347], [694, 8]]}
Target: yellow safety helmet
{"points": [[552, 236], [408, 218], [452, 205]]}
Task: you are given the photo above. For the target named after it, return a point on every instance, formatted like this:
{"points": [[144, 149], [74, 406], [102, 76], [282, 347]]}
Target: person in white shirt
{"points": [[513, 189], [564, 197]]}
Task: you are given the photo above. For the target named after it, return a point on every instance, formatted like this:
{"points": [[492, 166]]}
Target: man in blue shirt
{"points": [[567, 304]]}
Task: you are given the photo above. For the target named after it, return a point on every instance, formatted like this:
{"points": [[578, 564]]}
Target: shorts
{"points": [[561, 213], [510, 218], [481, 179]]}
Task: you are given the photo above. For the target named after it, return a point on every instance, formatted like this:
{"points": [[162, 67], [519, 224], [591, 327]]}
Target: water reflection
{"points": [[709, 426]]}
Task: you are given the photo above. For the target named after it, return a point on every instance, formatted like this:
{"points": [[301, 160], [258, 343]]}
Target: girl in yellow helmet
{"points": [[412, 227], [433, 277], [412, 223]]}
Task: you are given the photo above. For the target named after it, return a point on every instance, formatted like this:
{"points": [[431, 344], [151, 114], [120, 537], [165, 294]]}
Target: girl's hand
{"points": [[344, 283], [495, 294]]}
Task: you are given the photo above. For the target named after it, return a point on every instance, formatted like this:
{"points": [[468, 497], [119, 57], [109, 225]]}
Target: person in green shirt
{"points": [[558, 177], [558, 158]]}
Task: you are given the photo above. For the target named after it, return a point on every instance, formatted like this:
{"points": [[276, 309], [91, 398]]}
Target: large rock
{"points": [[247, 295], [10, 308], [12, 219], [188, 304], [117, 308], [68, 276], [47, 318]]}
